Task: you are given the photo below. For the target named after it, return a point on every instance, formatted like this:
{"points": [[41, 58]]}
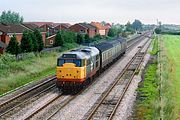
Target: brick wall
{"points": [[50, 41], [91, 33], [78, 29], [8, 38]]}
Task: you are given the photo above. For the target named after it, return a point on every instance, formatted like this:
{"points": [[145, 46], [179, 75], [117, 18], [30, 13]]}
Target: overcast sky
{"points": [[117, 11]]}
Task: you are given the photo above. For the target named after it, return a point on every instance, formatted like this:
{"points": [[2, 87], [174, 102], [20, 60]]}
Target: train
{"points": [[76, 68]]}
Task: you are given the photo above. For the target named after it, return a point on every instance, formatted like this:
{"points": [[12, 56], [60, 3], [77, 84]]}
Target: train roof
{"points": [[82, 53], [109, 44], [103, 46], [121, 39]]}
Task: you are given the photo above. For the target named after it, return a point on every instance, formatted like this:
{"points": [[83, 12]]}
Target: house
{"points": [[8, 30], [49, 27], [61, 26], [107, 27], [30, 26], [50, 40], [45, 26], [84, 28], [100, 28]]}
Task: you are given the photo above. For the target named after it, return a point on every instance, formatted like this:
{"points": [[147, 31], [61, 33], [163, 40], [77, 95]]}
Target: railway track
{"points": [[18, 100], [108, 103]]}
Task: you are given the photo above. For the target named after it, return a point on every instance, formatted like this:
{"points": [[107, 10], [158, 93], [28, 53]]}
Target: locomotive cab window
{"points": [[77, 62], [60, 62]]}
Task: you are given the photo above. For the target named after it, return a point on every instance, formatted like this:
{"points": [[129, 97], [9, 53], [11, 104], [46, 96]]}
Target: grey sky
{"points": [[117, 11]]}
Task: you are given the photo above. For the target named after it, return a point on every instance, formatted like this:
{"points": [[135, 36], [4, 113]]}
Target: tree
{"points": [[34, 42], [112, 32], [87, 39], [39, 39], [9, 17], [158, 31], [86, 36], [79, 38], [58, 39], [26, 42], [137, 25], [13, 46], [103, 23], [69, 36], [129, 27]]}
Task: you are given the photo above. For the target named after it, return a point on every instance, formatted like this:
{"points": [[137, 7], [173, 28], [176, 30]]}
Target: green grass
{"points": [[147, 107], [148, 94], [154, 44], [172, 49], [14, 74]]}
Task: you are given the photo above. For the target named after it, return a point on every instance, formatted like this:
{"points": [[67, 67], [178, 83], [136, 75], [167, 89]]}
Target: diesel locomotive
{"points": [[76, 68]]}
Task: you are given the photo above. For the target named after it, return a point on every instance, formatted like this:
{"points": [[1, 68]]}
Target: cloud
{"points": [[97, 10]]}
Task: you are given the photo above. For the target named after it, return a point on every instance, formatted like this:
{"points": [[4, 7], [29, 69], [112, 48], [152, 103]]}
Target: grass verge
{"points": [[147, 107], [14, 74]]}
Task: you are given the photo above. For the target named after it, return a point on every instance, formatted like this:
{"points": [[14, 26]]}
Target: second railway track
{"points": [[106, 106]]}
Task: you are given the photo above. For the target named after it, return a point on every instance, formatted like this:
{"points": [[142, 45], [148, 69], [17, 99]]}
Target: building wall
{"points": [[91, 33], [102, 32], [8, 38], [78, 29], [60, 27], [44, 37], [107, 31], [50, 41]]}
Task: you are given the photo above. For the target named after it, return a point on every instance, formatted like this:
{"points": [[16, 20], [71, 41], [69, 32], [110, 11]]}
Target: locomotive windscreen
{"points": [[77, 62]]}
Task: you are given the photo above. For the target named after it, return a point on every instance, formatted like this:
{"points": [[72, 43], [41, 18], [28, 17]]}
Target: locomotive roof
{"points": [[83, 53]]}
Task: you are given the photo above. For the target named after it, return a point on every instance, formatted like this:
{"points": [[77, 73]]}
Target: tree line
{"points": [[65, 36], [124, 30], [31, 42]]}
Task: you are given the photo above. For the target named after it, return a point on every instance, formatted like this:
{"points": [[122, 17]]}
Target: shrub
{"points": [[68, 46]]}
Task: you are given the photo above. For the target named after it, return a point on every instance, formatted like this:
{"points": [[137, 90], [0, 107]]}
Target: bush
{"points": [[13, 46], [158, 31], [80, 38], [59, 41], [68, 46], [26, 42]]}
